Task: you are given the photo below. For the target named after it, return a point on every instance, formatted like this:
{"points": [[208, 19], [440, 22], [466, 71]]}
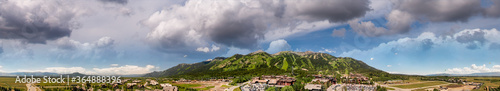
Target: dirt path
{"points": [[239, 85], [32, 87]]}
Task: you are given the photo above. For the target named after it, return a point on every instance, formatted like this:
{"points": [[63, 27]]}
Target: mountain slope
{"points": [[262, 63]]}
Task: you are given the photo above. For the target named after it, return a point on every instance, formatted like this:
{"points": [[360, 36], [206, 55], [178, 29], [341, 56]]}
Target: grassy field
{"points": [[226, 86], [488, 81], [187, 85], [206, 88], [10, 82], [417, 85]]}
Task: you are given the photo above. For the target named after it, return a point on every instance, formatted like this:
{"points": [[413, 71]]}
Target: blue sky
{"points": [[118, 37]]}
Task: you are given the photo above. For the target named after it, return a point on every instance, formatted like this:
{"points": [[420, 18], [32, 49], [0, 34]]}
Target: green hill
{"points": [[261, 63]]}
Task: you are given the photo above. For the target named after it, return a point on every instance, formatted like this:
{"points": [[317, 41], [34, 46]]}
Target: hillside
{"points": [[262, 63]]}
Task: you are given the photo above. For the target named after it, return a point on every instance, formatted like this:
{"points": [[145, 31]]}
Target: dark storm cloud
{"points": [[239, 33], [494, 9], [35, 23], [339, 32], [332, 10], [115, 1], [406, 12], [241, 24], [471, 36], [441, 10]]}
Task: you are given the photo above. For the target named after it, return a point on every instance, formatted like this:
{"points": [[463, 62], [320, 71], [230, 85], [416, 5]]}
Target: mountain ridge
{"points": [[262, 63]]}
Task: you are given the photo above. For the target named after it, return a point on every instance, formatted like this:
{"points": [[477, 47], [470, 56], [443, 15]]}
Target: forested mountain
{"points": [[261, 63]]}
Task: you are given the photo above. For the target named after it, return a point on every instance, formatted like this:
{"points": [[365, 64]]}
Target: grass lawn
{"points": [[206, 88], [391, 89], [187, 85], [424, 84], [225, 86], [10, 82]]}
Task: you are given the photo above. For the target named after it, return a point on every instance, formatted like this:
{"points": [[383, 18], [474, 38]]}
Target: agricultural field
{"points": [[10, 82], [204, 85], [420, 84]]}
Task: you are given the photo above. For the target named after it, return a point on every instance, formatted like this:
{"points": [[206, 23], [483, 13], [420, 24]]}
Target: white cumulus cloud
{"points": [[207, 49], [115, 70], [113, 65], [431, 51], [124, 70], [278, 45], [474, 69]]}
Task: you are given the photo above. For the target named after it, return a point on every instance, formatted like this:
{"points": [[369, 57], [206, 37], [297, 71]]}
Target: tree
{"points": [[271, 89], [287, 88], [435, 89], [299, 87]]}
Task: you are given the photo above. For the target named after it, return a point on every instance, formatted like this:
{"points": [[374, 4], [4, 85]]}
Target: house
{"points": [[170, 88], [325, 80], [136, 81], [280, 76], [267, 77], [153, 82], [254, 87], [165, 85], [131, 85], [286, 81], [273, 82], [260, 81], [255, 78], [318, 76], [313, 87]]}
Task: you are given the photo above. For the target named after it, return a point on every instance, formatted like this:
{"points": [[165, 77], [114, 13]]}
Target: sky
{"points": [[123, 37]]}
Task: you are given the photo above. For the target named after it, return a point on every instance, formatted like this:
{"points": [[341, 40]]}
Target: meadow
{"points": [[10, 82], [422, 84]]}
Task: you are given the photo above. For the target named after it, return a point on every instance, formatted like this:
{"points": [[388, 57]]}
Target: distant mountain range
{"points": [[56, 74], [473, 74], [262, 63]]}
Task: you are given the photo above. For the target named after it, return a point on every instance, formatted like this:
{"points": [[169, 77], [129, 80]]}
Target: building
{"points": [[153, 82], [287, 81], [131, 85], [165, 85], [170, 88], [325, 80], [268, 77], [260, 81], [313, 87], [254, 87], [273, 82]]}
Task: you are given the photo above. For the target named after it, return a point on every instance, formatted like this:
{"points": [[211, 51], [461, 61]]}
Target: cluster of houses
{"points": [[135, 83], [277, 81], [260, 83], [476, 85], [318, 81], [354, 78], [456, 80]]}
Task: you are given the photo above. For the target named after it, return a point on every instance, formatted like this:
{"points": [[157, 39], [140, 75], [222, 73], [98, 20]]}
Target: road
{"points": [[32, 87], [239, 85]]}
